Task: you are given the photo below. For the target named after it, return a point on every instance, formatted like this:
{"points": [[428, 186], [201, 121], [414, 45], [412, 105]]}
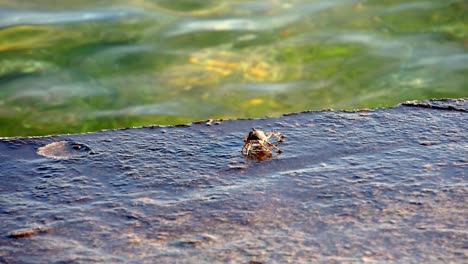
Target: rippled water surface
{"points": [[89, 65]]}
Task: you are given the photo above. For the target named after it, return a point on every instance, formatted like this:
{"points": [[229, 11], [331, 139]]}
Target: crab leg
{"points": [[272, 145], [248, 148], [269, 144]]}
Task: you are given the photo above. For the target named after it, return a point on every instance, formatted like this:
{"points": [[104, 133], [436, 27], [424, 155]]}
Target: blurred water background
{"points": [[76, 66]]}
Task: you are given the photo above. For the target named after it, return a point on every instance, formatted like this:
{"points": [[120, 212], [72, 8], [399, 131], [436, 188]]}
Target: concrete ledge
{"points": [[350, 186]]}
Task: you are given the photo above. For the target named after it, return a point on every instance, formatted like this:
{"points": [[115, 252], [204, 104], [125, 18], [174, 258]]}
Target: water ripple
{"points": [[231, 24], [165, 108], [451, 62], [12, 17]]}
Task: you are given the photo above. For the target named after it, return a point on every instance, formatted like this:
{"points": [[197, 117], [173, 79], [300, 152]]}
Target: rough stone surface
{"points": [[383, 185], [447, 104]]}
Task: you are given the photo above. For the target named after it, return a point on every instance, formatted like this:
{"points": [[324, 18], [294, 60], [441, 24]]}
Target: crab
{"points": [[257, 142]]}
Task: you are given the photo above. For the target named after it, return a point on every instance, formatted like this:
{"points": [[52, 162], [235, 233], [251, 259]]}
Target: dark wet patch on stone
{"points": [[64, 150], [195, 241], [429, 143]]}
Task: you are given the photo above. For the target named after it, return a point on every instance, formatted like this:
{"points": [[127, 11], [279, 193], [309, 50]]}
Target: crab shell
{"points": [[255, 135]]}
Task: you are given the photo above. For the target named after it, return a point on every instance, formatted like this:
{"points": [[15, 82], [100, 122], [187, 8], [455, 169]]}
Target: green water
{"points": [[91, 65]]}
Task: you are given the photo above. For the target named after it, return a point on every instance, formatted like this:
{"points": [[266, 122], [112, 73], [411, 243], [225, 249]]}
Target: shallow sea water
{"points": [[350, 187], [83, 66]]}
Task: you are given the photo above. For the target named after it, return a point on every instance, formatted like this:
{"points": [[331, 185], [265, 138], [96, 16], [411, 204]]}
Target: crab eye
{"points": [[252, 136]]}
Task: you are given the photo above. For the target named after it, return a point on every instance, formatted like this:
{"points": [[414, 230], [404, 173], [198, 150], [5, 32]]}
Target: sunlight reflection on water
{"points": [[10, 17]]}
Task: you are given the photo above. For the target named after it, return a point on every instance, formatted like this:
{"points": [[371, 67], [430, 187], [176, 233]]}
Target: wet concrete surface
{"points": [[382, 185]]}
